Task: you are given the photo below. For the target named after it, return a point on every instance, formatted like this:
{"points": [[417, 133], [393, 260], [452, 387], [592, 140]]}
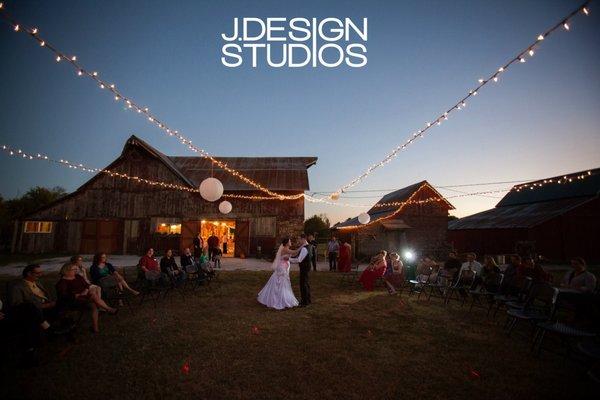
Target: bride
{"points": [[278, 293]]}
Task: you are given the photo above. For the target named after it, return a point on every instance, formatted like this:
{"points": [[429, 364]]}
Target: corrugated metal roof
{"points": [[590, 186], [517, 216], [275, 173]]}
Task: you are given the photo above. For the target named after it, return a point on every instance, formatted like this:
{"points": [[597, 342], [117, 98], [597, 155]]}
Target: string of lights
{"points": [[521, 57], [130, 104], [313, 199], [8, 150]]}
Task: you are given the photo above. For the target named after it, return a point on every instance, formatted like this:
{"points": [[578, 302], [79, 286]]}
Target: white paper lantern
{"points": [[364, 218], [225, 207], [211, 189]]}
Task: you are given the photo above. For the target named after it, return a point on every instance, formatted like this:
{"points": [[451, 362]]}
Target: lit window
{"points": [[168, 228], [38, 227]]}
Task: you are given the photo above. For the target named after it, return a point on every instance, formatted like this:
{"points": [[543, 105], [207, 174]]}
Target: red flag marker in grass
{"points": [[474, 374], [255, 330], [185, 368], [369, 333], [65, 351]]}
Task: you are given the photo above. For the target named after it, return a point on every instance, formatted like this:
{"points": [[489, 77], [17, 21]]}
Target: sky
{"points": [[541, 119]]}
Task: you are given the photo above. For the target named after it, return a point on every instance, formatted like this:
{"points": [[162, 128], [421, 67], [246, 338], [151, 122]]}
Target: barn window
{"points": [[265, 226], [38, 227], [167, 226]]}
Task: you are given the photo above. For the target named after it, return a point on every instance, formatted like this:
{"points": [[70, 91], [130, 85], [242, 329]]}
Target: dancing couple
{"points": [[278, 293]]}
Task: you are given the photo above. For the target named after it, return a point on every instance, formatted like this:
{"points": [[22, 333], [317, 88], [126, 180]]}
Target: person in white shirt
{"points": [[303, 260], [471, 265]]}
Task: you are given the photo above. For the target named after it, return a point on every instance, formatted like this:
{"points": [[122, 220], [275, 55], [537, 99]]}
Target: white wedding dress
{"points": [[278, 293]]}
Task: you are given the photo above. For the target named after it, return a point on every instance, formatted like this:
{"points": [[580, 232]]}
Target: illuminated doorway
{"points": [[224, 231]]}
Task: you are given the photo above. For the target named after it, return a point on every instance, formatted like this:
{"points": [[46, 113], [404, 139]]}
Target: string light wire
{"points": [[462, 103], [59, 55]]}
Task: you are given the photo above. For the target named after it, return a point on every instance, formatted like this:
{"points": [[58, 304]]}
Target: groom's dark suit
{"points": [[304, 270]]}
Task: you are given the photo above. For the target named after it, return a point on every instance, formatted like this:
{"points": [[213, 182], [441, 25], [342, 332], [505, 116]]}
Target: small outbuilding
{"points": [[416, 221]]}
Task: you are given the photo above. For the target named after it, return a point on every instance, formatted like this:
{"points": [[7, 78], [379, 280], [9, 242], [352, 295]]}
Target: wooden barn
{"points": [[420, 228], [121, 216], [556, 221]]}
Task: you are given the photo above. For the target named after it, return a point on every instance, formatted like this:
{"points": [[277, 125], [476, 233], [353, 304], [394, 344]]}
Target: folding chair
{"points": [[478, 293], [564, 331], [501, 299], [538, 307], [461, 287]]}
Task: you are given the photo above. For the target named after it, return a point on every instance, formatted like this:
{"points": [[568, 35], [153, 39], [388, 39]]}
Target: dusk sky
{"points": [[541, 119]]}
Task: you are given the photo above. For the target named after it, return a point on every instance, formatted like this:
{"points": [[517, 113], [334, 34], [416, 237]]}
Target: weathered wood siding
{"points": [[109, 198]]}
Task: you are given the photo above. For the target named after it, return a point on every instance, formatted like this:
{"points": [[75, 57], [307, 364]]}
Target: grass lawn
{"points": [[349, 344]]}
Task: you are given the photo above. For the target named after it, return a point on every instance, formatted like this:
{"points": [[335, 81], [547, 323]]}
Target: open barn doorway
{"points": [[223, 230]]}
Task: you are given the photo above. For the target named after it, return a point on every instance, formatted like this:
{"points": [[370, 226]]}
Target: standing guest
{"points": [[579, 278], [345, 260], [375, 270], [149, 265], [452, 266], [213, 245], [104, 275], [313, 242], [169, 267], [394, 275], [198, 246], [81, 270], [72, 289], [333, 248]]}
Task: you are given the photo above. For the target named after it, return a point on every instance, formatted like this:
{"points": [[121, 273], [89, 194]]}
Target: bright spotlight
{"points": [[409, 255]]}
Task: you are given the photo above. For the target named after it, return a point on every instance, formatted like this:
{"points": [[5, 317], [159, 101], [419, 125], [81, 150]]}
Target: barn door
{"points": [[189, 230], [242, 238], [102, 236]]}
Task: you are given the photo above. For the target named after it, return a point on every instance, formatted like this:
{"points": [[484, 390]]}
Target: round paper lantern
{"points": [[334, 196], [225, 207], [211, 189], [364, 218]]}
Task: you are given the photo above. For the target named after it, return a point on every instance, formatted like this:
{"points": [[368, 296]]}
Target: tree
{"points": [[319, 224], [35, 198]]}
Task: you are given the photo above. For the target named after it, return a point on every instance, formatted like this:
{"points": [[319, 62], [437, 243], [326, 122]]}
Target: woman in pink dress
{"points": [[375, 270], [345, 259]]}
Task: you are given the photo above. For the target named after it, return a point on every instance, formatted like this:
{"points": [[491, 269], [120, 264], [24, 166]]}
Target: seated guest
{"points": [[32, 309], [471, 267], [489, 277], [579, 278], [187, 260], [510, 284], [451, 266], [149, 266], [104, 275], [394, 275], [530, 269], [345, 257], [375, 270], [206, 266], [427, 270], [72, 289], [81, 269], [169, 267], [30, 290]]}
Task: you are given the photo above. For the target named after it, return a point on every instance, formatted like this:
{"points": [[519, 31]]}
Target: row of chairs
{"points": [[540, 305], [159, 288]]}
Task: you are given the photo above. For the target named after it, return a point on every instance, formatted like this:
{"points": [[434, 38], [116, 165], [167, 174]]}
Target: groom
{"points": [[303, 260]]}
